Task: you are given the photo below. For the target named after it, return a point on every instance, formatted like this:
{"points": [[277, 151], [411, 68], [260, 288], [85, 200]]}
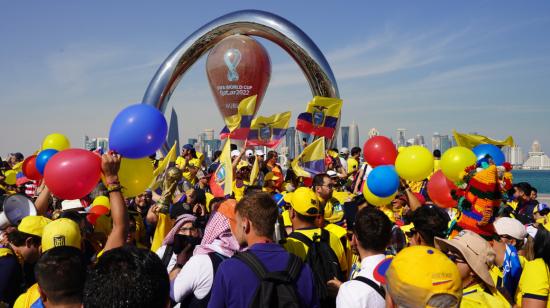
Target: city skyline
{"points": [[428, 67]]}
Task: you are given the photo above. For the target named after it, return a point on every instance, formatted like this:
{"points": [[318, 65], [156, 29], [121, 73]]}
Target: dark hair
{"points": [[306, 219], [127, 277], [525, 187], [216, 155], [19, 238], [270, 155], [355, 150], [261, 210], [319, 179], [60, 273], [533, 189], [430, 221], [542, 245], [232, 147], [373, 229], [437, 153], [252, 189]]}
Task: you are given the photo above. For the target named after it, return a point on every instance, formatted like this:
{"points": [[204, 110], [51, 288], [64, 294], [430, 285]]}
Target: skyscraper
{"points": [[290, 141], [96, 143], [297, 143], [344, 130], [445, 143], [209, 133], [401, 140], [516, 156], [507, 152], [419, 140], [436, 142], [353, 135]]}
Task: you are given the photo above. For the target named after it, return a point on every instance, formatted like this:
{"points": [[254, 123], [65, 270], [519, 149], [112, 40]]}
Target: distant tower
{"points": [[436, 142], [445, 143], [516, 156], [290, 141], [535, 147], [401, 140], [209, 133], [373, 132], [297, 142], [344, 130], [353, 135]]}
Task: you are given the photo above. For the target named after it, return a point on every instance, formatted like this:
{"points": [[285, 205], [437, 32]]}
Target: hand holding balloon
{"points": [[110, 164]]}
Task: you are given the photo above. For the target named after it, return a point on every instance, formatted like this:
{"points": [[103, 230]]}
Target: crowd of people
{"points": [[278, 240]]}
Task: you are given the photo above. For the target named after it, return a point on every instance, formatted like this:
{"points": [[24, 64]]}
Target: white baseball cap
{"points": [[344, 151], [260, 153], [249, 153], [67, 205], [235, 153], [332, 173], [511, 227]]}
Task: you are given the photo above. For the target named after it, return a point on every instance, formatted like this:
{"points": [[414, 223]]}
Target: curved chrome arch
{"points": [[248, 22]]}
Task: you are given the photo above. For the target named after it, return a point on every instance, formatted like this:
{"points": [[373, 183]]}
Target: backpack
{"points": [[379, 289], [276, 289], [191, 300], [323, 262]]}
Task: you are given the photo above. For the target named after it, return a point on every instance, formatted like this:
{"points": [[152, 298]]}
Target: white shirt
{"points": [[173, 259], [356, 293], [196, 276], [344, 163]]}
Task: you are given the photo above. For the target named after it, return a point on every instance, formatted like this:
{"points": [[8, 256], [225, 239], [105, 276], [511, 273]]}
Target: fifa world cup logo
{"points": [[232, 57]]}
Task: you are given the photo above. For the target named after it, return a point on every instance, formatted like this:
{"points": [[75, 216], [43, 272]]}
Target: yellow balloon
{"points": [[56, 141], [414, 163], [374, 199], [135, 175], [455, 160], [11, 177]]}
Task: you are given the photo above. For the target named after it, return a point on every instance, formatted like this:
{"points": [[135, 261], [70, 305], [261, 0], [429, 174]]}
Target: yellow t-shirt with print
{"points": [[27, 299], [352, 164], [238, 190], [475, 297], [300, 249], [534, 282]]}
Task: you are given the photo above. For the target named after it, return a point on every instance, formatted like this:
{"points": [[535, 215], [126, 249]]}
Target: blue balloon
{"points": [[138, 131], [483, 150], [383, 181], [42, 159]]}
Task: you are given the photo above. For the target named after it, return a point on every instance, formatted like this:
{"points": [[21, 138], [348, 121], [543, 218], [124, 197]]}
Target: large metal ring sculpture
{"points": [[248, 22]]}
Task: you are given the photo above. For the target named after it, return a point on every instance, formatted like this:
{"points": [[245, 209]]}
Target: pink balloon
{"points": [[379, 150], [73, 173], [439, 190]]}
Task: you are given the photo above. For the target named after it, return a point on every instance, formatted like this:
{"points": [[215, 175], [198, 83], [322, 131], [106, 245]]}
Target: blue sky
{"points": [[428, 66]]}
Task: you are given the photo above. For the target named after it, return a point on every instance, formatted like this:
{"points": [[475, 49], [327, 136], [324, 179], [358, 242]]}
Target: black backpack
{"points": [[323, 262], [379, 289], [276, 289]]}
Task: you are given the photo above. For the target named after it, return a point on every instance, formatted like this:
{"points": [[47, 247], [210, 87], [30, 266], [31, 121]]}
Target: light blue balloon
{"points": [[383, 181]]}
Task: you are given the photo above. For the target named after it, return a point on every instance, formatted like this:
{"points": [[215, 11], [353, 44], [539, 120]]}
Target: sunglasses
{"points": [[455, 258]]}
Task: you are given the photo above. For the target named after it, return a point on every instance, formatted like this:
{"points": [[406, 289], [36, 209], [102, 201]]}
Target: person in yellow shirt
{"points": [[474, 257], [534, 284], [353, 161], [303, 212]]}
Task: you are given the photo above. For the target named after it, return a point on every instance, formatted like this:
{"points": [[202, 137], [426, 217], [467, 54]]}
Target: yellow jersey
{"points": [[353, 164], [475, 297], [300, 249], [534, 282]]}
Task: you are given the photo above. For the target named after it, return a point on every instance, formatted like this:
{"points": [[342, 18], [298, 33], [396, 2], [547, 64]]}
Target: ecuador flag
{"points": [[221, 182], [238, 125], [311, 161], [321, 117], [269, 131]]}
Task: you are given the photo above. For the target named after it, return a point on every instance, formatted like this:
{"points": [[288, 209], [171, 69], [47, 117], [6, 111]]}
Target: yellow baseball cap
{"points": [[270, 176], [33, 225], [419, 272], [61, 232], [242, 164], [102, 200], [305, 202]]}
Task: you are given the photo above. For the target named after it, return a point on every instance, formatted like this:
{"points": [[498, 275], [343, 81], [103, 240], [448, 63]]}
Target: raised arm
{"points": [[110, 164]]}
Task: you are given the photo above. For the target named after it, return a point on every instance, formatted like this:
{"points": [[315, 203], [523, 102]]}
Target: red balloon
{"points": [[73, 173], [29, 168], [379, 150], [439, 190], [237, 67], [95, 212]]}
